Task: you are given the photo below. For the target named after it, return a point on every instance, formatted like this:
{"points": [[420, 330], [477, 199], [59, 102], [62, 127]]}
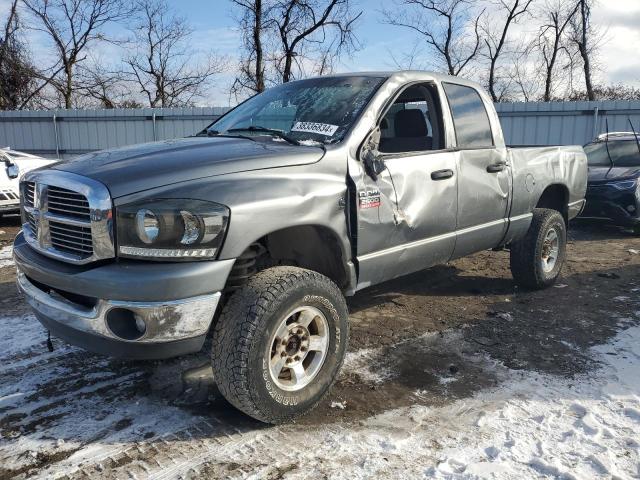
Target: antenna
{"points": [[606, 140], [634, 134]]}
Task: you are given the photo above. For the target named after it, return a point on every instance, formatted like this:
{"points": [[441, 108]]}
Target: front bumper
{"points": [[97, 307], [9, 208]]}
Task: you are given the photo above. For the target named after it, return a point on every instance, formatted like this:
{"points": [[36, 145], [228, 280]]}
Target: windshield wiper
{"points": [[271, 131], [216, 133]]}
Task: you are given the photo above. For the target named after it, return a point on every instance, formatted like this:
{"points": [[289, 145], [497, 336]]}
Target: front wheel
{"points": [[280, 342], [536, 259]]}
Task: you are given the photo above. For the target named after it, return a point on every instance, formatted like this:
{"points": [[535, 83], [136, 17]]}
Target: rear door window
{"points": [[470, 119]]}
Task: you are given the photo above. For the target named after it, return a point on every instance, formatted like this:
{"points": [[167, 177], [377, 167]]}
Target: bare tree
{"points": [[301, 25], [165, 66], [17, 74], [445, 26], [607, 92], [582, 35], [103, 86], [73, 25], [252, 64], [496, 36], [525, 77], [551, 40]]}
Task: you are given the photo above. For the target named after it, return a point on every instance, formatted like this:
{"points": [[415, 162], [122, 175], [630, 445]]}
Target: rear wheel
{"points": [[537, 259], [280, 342]]}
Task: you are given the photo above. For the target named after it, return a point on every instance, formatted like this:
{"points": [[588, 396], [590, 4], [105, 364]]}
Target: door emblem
{"points": [[369, 198]]}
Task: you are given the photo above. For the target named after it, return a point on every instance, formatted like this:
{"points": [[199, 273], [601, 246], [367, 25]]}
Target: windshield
{"points": [[624, 153], [315, 110]]}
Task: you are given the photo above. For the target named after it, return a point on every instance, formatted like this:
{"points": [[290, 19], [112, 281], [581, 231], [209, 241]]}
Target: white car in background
{"points": [[13, 165]]}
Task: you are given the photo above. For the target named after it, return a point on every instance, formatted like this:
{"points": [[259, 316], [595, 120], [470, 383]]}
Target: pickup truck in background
{"points": [[255, 229], [13, 164]]}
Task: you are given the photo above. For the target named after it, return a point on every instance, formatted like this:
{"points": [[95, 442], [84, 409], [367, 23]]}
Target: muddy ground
{"points": [[81, 415]]}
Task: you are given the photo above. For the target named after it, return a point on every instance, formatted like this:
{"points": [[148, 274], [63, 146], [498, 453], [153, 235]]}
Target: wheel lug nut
{"points": [[296, 358], [289, 360], [284, 342], [283, 354], [303, 349]]}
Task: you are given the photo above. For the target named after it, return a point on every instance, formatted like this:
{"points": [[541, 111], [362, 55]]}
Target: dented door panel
{"points": [[406, 219]]}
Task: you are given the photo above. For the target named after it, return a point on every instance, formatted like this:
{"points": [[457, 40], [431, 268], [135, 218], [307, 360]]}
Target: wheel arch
{"points": [[314, 247], [555, 197]]}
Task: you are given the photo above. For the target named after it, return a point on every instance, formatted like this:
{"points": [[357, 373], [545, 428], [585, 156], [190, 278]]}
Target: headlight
{"points": [[171, 229], [623, 185]]}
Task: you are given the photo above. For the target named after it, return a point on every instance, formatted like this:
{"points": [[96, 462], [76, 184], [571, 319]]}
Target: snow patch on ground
{"points": [[6, 256], [531, 426], [360, 363], [19, 333]]}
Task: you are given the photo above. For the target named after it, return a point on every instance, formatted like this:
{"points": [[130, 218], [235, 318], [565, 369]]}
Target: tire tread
{"points": [[241, 317], [524, 252]]}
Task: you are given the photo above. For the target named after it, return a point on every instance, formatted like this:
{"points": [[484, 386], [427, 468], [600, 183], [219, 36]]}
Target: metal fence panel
{"points": [[565, 123], [67, 133]]}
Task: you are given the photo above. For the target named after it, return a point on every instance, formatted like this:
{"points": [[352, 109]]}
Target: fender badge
{"points": [[369, 198]]}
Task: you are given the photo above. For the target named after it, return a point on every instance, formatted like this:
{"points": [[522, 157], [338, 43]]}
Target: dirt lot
{"points": [[431, 339]]}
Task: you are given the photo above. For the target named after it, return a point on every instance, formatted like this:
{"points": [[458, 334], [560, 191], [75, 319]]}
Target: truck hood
{"points": [[607, 174], [136, 168]]}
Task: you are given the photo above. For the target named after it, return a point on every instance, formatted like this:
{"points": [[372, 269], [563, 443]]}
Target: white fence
{"points": [[65, 133]]}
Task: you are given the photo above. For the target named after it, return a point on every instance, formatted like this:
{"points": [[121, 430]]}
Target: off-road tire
{"points": [[245, 328], [526, 253]]}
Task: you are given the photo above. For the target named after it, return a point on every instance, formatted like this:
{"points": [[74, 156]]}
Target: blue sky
{"points": [[619, 23], [215, 29], [215, 26]]}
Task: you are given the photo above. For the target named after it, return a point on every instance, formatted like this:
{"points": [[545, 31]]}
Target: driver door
{"points": [[406, 218]]}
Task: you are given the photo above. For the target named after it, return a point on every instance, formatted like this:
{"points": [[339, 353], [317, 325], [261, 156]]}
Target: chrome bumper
{"points": [[167, 321]]}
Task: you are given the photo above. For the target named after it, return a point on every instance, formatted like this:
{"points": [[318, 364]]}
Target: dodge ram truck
{"points": [[253, 231]]}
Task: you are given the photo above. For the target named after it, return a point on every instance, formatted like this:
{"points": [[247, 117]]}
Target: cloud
{"points": [[618, 55]]}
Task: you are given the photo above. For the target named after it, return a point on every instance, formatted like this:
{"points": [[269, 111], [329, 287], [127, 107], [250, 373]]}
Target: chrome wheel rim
{"points": [[298, 348], [550, 250]]}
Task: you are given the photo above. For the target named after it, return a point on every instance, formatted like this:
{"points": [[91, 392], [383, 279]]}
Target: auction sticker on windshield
{"points": [[320, 128]]}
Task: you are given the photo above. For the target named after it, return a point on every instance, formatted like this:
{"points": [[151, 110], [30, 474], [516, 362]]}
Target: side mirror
{"points": [[12, 171], [373, 163]]}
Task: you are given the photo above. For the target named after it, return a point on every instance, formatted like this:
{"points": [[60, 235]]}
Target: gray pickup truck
{"points": [[255, 229]]}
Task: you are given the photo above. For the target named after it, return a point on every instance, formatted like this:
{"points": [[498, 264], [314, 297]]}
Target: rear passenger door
{"points": [[483, 173]]}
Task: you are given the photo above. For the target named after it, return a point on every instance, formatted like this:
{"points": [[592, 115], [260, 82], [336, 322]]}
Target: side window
{"points": [[411, 124], [470, 119]]}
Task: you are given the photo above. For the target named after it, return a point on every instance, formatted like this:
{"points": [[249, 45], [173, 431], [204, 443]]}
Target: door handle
{"points": [[496, 167], [441, 174]]}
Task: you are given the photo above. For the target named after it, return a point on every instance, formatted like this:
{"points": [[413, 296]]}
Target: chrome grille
{"points": [[67, 216], [31, 223], [29, 193], [68, 203], [70, 238]]}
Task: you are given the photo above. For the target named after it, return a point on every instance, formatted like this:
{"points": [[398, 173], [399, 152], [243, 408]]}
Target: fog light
{"points": [[631, 208], [125, 324]]}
